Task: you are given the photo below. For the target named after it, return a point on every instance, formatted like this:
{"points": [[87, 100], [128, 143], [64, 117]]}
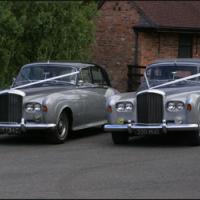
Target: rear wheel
{"points": [[61, 132], [120, 138]]}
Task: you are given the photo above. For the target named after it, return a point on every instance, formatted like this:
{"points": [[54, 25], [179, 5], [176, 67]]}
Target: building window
{"points": [[185, 46]]}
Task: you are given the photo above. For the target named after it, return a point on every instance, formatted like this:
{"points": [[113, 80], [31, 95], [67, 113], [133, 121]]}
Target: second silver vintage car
{"points": [[168, 101], [57, 97]]}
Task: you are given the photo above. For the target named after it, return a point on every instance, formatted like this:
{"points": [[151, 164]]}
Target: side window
{"points": [[85, 75], [98, 77]]}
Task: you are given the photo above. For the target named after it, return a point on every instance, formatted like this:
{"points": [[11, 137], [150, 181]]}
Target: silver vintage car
{"points": [[167, 101], [56, 97]]}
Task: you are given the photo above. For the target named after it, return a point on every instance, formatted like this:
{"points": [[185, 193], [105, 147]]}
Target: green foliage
{"points": [[44, 30]]}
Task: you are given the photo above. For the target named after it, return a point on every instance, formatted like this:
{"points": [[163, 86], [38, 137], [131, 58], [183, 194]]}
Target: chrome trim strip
{"points": [[13, 91], [164, 127], [152, 91]]}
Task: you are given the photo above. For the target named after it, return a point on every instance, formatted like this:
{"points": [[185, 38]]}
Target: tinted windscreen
{"points": [[170, 72], [168, 76]]}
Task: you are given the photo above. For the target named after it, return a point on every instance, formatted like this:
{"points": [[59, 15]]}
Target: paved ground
{"points": [[90, 166]]}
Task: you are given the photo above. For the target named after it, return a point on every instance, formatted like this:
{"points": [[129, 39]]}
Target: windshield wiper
{"points": [[24, 81], [57, 82]]}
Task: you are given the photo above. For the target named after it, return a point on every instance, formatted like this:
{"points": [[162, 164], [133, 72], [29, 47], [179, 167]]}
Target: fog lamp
{"points": [[178, 120], [37, 117]]}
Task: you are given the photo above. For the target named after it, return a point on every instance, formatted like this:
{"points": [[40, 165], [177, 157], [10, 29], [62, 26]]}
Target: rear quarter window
{"points": [[98, 76]]}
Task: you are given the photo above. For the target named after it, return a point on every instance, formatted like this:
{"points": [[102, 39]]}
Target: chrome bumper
{"points": [[163, 127], [26, 126]]}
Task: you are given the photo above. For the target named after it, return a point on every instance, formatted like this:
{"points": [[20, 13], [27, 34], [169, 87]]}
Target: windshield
{"points": [[172, 76], [42, 72]]}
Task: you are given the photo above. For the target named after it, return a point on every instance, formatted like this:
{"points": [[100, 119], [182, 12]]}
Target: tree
{"points": [[50, 30], [10, 30]]}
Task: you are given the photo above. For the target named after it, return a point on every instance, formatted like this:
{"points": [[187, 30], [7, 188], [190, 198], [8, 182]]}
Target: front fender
{"points": [[193, 116], [119, 117], [56, 103]]}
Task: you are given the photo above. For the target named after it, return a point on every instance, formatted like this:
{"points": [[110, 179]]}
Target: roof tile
{"points": [[181, 14]]}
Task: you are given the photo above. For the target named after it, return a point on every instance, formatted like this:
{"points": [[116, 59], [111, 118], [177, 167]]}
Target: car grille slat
{"points": [[10, 108], [149, 108]]}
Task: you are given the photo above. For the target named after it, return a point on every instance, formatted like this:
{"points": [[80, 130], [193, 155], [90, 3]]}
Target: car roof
{"points": [[193, 61], [78, 65]]}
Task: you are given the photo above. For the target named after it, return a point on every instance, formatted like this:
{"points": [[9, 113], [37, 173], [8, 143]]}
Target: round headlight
{"points": [[124, 107], [171, 106], [32, 107], [37, 107], [29, 107], [180, 106], [175, 106], [120, 107], [129, 107]]}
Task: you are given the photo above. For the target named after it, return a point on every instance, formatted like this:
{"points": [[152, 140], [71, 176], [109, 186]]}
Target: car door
{"points": [[87, 95], [100, 89], [93, 87]]}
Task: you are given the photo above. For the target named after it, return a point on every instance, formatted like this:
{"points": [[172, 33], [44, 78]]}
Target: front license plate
{"points": [[9, 131], [148, 131]]}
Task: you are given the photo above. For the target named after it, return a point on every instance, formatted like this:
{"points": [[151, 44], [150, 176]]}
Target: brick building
{"points": [[135, 33]]}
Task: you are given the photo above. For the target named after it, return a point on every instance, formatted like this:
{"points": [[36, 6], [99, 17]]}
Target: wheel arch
{"points": [[67, 110]]}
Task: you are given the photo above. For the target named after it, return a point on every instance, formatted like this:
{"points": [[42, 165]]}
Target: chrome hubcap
{"points": [[61, 128]]}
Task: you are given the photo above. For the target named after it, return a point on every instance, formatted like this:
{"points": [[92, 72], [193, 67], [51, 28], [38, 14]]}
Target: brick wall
{"points": [[153, 46], [115, 39], [164, 45], [115, 42]]}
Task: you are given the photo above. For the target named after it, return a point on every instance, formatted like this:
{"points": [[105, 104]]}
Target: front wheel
{"points": [[61, 132], [120, 138]]}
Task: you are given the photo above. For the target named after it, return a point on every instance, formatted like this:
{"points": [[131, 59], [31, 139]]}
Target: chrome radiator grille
{"points": [[149, 108], [10, 108]]}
